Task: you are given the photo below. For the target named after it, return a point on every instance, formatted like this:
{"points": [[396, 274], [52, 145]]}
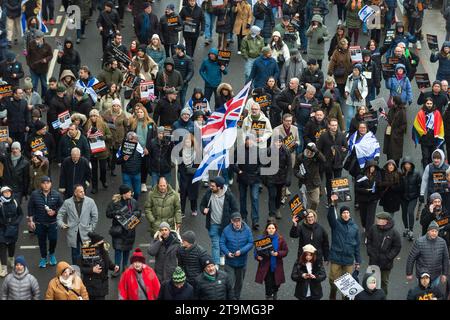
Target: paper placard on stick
{"points": [[423, 80], [290, 142], [439, 181], [356, 54], [365, 13], [263, 245], [379, 103], [4, 134], [224, 57], [259, 127], [100, 88], [147, 90], [297, 208], [432, 42], [5, 91], [341, 187], [348, 286]]}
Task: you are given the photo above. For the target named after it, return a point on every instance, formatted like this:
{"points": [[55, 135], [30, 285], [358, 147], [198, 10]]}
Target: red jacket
{"points": [[128, 285]]}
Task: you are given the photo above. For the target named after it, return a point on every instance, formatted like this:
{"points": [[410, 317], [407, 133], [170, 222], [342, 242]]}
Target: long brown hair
{"points": [[134, 120], [303, 260]]}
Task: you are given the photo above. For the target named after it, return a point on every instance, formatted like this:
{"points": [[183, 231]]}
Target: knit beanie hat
{"points": [[61, 88], [21, 260], [186, 110], [38, 125], [344, 208], [219, 181], [27, 83], [16, 145], [435, 196], [137, 256], [164, 225], [433, 225], [328, 94], [189, 237], [124, 188], [265, 50], [178, 275], [116, 102]]}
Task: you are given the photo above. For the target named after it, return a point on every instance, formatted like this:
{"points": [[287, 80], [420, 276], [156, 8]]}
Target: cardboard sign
{"points": [[147, 90], [264, 244], [90, 253], [100, 88], [379, 103], [121, 56], [130, 81], [128, 223], [423, 80], [259, 127], [348, 286], [390, 34], [5, 91], [189, 26], [63, 121], [388, 70], [128, 148], [439, 181], [224, 57], [341, 187], [97, 145], [4, 134], [356, 54], [38, 144], [297, 208], [173, 23], [290, 142], [264, 101], [442, 222], [432, 42]]}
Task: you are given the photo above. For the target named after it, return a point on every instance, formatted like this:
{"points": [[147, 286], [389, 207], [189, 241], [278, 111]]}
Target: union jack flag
{"points": [[226, 115]]}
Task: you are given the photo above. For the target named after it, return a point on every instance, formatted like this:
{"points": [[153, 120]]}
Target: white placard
{"points": [[348, 286]]}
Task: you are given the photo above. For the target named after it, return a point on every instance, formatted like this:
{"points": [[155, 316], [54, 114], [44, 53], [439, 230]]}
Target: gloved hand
{"points": [[320, 40], [421, 199], [377, 90]]}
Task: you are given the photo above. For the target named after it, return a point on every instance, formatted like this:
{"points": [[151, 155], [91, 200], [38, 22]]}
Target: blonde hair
{"points": [[134, 120]]}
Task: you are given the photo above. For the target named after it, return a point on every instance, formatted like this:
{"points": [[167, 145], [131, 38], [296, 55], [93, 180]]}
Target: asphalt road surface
{"points": [[90, 51]]}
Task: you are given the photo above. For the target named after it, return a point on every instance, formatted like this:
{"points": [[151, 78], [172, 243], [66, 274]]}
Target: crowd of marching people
{"points": [[314, 123]]}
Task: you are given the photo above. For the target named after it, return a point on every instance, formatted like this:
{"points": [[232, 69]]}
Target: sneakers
{"points": [[405, 233], [53, 261], [239, 53], [231, 181], [143, 187], [418, 45], [43, 263], [183, 215], [4, 271], [278, 214], [194, 213], [339, 22], [222, 260], [52, 22], [78, 40], [11, 262], [410, 236], [83, 36]]}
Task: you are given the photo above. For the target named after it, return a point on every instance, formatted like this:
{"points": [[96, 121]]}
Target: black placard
{"points": [[290, 142], [390, 34], [259, 127], [224, 57], [423, 80], [297, 208], [432, 42], [439, 181], [128, 148], [100, 88], [341, 187], [263, 245]]}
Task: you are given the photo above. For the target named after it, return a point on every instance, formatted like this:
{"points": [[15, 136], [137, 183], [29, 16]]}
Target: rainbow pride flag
{"points": [[420, 126]]}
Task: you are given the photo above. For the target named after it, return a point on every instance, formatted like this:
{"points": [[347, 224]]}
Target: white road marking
{"points": [[54, 31], [145, 245], [52, 64], [61, 9], [26, 231], [59, 19], [29, 247], [63, 28]]}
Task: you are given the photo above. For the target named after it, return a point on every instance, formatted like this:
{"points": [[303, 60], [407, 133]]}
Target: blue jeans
{"points": [[44, 232], [388, 18], [134, 181], [35, 77], [155, 177], [349, 112], [248, 68], [121, 256], [303, 38], [209, 25], [214, 235], [76, 251], [254, 198]]}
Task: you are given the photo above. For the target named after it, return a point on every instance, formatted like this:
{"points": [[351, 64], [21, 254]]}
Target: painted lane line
{"points": [[59, 19], [26, 231], [52, 64], [29, 247], [145, 245], [54, 31], [63, 28], [61, 9]]}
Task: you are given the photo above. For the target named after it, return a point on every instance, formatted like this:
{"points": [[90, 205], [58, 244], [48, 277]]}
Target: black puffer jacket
{"points": [[383, 245], [286, 98], [190, 260], [410, 181], [313, 130], [219, 289], [74, 173], [70, 60], [185, 66], [194, 15], [301, 287], [390, 188], [167, 112], [169, 292], [422, 293], [132, 166], [10, 216], [97, 283], [169, 35], [16, 177], [313, 234], [250, 172], [124, 241], [159, 156], [376, 294], [165, 253], [327, 143], [312, 167], [18, 114]]}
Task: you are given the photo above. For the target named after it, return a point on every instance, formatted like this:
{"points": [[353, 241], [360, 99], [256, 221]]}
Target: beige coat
{"points": [[56, 291], [244, 16]]}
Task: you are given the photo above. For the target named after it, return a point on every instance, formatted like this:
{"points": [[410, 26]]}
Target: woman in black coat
{"points": [[410, 180], [187, 170], [10, 217], [123, 239], [69, 58], [390, 187], [95, 270], [224, 23], [273, 112], [308, 272]]}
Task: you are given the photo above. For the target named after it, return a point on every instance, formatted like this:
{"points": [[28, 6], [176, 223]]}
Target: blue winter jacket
{"points": [[262, 69], [400, 87], [443, 72], [344, 249], [210, 70], [233, 240]]}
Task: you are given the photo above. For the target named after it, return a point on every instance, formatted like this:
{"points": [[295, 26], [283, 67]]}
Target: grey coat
{"points": [[292, 68], [85, 223], [430, 256], [165, 257], [20, 287], [317, 50]]}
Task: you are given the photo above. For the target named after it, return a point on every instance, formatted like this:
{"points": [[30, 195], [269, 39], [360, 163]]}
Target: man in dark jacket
{"points": [[38, 59], [312, 75], [286, 98], [315, 127], [185, 66], [344, 252], [164, 248], [40, 140], [176, 288], [333, 146], [310, 232], [212, 284], [439, 99], [159, 156], [18, 117], [73, 139], [430, 254], [170, 24], [11, 70], [249, 177], [193, 23], [264, 67], [108, 23], [74, 170], [81, 102], [383, 245], [217, 204], [425, 290], [168, 78], [16, 170], [146, 24], [190, 256], [42, 209], [113, 50], [168, 109]]}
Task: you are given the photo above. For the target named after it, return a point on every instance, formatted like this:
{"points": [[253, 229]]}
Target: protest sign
{"points": [[379, 104], [341, 187], [100, 88], [388, 70], [365, 13], [259, 127], [128, 222], [128, 148], [290, 142], [432, 42], [38, 144], [348, 286], [263, 245], [439, 181], [147, 90], [297, 208], [4, 134], [356, 54], [63, 122], [423, 80], [189, 26], [96, 141], [120, 56], [442, 222], [5, 90], [264, 101], [130, 81], [224, 57], [390, 34]]}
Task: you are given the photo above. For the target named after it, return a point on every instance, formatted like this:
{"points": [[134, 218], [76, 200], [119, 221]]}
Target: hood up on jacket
{"points": [[60, 267], [170, 61], [402, 66], [442, 156], [445, 44], [198, 90], [227, 86], [371, 163], [214, 51], [66, 73], [317, 18], [406, 160], [368, 278]]}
